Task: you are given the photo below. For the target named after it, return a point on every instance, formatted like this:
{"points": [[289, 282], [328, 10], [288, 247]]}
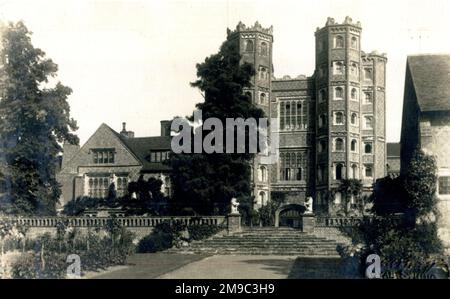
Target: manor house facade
{"points": [[331, 125]]}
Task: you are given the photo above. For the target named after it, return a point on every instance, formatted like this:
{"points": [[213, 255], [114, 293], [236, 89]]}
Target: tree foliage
{"points": [[207, 182], [34, 120]]}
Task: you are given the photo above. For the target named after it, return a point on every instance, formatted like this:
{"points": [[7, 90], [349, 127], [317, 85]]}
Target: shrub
{"points": [[202, 231], [162, 237]]}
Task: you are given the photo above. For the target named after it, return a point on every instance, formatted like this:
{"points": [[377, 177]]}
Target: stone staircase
{"points": [[264, 241]]}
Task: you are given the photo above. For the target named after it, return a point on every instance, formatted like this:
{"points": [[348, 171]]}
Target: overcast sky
{"points": [[132, 61]]}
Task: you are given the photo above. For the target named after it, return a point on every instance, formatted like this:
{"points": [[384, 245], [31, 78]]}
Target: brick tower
{"points": [[255, 46], [350, 97]]}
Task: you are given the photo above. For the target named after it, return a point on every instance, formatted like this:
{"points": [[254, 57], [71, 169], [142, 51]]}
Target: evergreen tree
{"points": [[207, 182], [34, 120]]}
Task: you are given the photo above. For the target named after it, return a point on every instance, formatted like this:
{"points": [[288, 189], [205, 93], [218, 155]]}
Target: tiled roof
{"points": [[431, 79], [393, 149], [142, 146]]}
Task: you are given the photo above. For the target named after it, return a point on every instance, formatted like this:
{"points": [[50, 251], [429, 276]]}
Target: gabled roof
{"points": [[393, 149], [431, 78], [141, 147]]}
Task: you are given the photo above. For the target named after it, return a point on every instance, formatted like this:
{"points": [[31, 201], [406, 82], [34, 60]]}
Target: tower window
{"points": [[262, 98], [354, 42], [322, 146], [353, 145], [367, 147], [339, 118], [322, 95], [264, 51], [354, 69], [339, 42], [368, 171], [338, 68], [368, 98], [339, 171], [339, 144], [339, 93], [262, 174], [249, 96], [320, 173], [353, 118], [368, 122], [354, 94], [262, 198], [354, 171], [249, 46], [322, 120], [368, 74], [263, 73]]}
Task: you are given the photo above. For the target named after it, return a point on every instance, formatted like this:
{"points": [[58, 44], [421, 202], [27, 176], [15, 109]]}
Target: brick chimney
{"points": [[125, 133], [165, 127]]}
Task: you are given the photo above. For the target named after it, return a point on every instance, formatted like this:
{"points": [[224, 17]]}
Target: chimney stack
{"points": [[125, 133], [165, 127]]}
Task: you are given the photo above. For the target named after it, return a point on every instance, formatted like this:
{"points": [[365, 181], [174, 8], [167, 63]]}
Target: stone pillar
{"points": [[234, 222], [308, 223]]}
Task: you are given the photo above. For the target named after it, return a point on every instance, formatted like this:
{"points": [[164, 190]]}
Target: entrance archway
{"points": [[289, 215]]}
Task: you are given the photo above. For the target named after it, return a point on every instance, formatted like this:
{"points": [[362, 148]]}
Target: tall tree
{"points": [[207, 182], [34, 120]]}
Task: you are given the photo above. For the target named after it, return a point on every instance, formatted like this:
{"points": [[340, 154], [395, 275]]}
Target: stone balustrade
{"points": [[337, 221], [124, 221]]}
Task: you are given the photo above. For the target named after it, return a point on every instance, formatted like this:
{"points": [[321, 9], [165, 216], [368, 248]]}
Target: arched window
{"points": [[249, 96], [353, 145], [337, 198], [339, 118], [299, 174], [262, 198], [354, 69], [339, 144], [368, 148], [322, 95], [339, 93], [354, 94], [264, 51], [368, 98], [249, 46], [262, 173], [322, 146], [338, 68], [353, 118], [262, 73], [320, 173], [322, 120], [368, 122], [339, 171], [354, 42], [262, 98], [339, 42]]}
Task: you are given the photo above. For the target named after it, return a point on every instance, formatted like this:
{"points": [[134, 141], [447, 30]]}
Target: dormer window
{"points": [[159, 156], [104, 156]]}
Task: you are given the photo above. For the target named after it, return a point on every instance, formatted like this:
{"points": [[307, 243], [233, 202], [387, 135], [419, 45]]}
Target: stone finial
{"points": [[348, 20], [330, 21]]}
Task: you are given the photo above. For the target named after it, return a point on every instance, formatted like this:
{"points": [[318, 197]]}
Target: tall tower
{"points": [[350, 130], [255, 46]]}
